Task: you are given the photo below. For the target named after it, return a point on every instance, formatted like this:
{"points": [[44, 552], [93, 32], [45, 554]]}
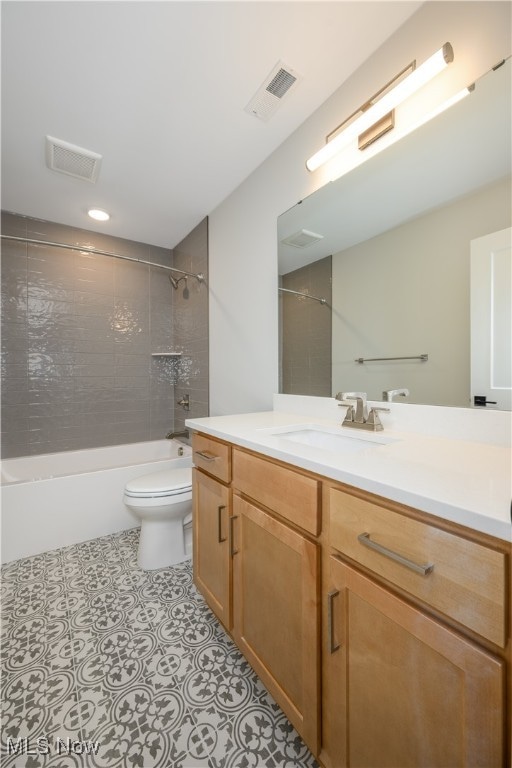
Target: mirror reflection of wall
{"points": [[306, 326], [415, 301], [400, 228]]}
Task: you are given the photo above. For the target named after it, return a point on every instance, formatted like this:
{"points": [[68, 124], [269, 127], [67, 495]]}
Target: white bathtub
{"points": [[57, 499]]}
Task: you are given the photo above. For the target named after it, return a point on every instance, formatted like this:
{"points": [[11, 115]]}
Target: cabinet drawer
{"points": [[212, 456], [466, 582], [290, 494]]}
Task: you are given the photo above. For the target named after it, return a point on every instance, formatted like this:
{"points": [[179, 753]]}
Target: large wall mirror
{"points": [[393, 264]]}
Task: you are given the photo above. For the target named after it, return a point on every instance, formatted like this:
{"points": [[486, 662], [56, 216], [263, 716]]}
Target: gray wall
{"points": [[78, 333], [306, 331]]}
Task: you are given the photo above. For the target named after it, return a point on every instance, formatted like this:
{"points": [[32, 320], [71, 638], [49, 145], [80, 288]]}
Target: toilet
{"points": [[163, 503]]}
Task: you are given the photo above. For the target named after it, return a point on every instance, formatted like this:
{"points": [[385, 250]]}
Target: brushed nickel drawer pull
{"points": [[330, 623], [424, 570], [220, 538], [232, 551], [207, 456]]}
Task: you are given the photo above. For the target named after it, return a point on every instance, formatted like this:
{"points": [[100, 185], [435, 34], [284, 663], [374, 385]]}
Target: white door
{"points": [[491, 320]]}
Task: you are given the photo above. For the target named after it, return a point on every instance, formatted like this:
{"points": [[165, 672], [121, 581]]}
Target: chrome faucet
{"points": [[389, 394], [358, 416]]}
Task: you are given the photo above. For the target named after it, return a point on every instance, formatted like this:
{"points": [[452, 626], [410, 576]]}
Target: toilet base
{"points": [[161, 544]]}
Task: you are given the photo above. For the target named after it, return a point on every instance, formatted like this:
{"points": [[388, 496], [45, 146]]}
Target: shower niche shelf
{"points": [[166, 354]]}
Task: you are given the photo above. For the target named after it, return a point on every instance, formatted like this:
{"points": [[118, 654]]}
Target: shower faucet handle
{"points": [[184, 402]]}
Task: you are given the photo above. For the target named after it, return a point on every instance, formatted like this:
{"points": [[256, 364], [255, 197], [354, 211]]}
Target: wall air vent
{"points": [[72, 160], [302, 238], [269, 96]]}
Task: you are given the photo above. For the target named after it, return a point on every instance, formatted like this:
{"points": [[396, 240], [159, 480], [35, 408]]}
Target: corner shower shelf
{"points": [[166, 354]]}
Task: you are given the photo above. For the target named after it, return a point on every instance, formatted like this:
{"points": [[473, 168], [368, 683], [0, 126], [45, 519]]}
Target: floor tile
{"points": [[108, 666]]}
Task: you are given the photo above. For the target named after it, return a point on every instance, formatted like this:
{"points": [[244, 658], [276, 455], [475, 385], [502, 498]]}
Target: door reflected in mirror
{"points": [[394, 259]]}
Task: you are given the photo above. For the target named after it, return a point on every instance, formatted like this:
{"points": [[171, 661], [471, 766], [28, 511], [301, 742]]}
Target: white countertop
{"points": [[463, 481]]}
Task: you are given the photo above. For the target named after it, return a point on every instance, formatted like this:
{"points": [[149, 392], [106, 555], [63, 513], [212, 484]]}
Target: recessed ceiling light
{"points": [[98, 214]]}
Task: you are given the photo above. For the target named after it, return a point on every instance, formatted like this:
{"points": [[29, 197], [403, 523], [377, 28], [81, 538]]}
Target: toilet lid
{"points": [[165, 483]]}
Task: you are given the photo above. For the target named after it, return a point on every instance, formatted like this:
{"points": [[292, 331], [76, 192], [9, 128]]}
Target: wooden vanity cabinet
{"points": [[276, 612], [212, 529], [257, 563], [276, 562], [212, 561], [400, 686], [384, 634]]}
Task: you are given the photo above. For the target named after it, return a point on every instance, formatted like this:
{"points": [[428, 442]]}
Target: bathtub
{"points": [[57, 499]]}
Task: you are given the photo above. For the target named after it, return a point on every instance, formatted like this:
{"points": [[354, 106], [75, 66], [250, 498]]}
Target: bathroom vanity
{"points": [[379, 625]]}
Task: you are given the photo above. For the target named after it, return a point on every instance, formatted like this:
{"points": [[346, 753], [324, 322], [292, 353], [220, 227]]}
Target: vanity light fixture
{"points": [[376, 116], [450, 102], [98, 214]]}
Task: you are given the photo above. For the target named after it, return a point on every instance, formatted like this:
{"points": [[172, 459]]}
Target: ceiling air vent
{"points": [[72, 160], [269, 96], [302, 238]]}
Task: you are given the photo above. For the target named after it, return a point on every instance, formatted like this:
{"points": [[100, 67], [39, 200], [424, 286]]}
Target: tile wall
{"points": [[78, 333], [305, 346], [190, 325]]}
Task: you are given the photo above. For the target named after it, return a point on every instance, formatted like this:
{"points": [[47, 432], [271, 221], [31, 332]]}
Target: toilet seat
{"points": [[170, 482]]}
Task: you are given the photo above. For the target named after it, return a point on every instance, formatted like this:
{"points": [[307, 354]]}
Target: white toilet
{"points": [[163, 503]]}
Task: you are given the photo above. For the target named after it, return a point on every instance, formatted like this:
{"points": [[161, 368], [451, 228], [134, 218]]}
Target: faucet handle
{"points": [[184, 402], [374, 418], [341, 397], [350, 415]]}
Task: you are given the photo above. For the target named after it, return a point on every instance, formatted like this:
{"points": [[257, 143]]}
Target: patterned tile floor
{"points": [[108, 666]]}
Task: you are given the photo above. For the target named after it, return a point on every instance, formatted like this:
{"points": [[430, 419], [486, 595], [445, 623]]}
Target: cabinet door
{"points": [[212, 562], [401, 688], [276, 612]]}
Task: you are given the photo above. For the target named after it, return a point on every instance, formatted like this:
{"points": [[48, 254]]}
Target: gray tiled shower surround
{"points": [[78, 335]]}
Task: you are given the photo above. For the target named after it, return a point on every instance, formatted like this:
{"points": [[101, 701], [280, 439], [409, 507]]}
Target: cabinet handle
{"points": [[207, 456], [330, 623], [232, 551], [424, 570], [219, 522]]}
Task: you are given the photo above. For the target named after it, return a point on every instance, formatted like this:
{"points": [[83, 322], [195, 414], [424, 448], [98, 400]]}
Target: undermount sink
{"points": [[331, 440]]}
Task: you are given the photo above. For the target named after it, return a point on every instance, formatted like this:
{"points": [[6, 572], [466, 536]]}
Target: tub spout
{"points": [[183, 433]]}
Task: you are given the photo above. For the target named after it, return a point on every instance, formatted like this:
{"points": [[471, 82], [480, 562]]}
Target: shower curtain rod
{"points": [[306, 295], [98, 252]]}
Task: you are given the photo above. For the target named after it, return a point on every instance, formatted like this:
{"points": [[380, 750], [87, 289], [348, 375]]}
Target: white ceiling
{"points": [[159, 90]]}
